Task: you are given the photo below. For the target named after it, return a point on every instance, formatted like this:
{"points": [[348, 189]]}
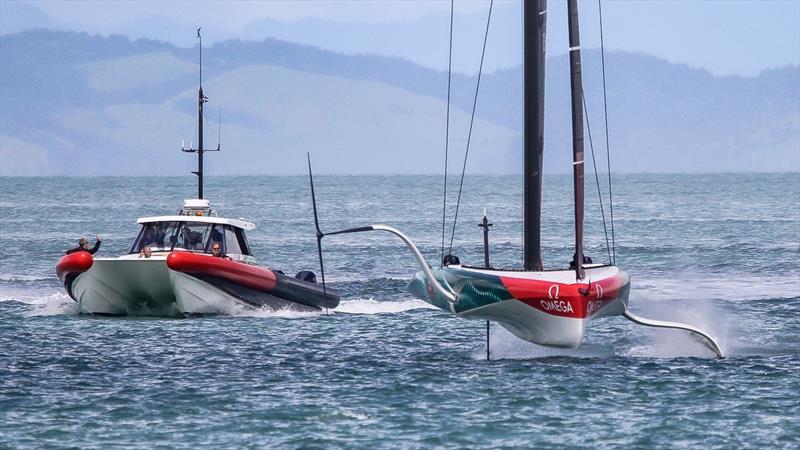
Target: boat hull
{"points": [[548, 308], [151, 287]]}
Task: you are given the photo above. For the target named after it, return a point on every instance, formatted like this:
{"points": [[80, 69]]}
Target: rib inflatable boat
{"points": [[181, 276], [173, 270]]}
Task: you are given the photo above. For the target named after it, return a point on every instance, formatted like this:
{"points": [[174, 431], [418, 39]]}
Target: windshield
{"points": [[165, 236], [192, 236]]}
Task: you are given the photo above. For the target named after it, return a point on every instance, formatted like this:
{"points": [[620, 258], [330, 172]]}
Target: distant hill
{"points": [[71, 103]]}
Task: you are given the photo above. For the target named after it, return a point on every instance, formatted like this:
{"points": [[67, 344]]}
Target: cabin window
{"points": [[154, 235], [232, 244], [235, 241], [216, 236], [243, 244], [193, 236]]}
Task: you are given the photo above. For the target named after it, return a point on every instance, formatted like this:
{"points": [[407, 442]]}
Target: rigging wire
{"points": [[447, 133], [608, 151], [471, 122], [596, 177], [219, 146]]}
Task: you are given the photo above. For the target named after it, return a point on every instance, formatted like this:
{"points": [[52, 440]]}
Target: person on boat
{"points": [[149, 235], [83, 245], [216, 251], [160, 234], [586, 260], [215, 236], [451, 260], [146, 252], [192, 239]]}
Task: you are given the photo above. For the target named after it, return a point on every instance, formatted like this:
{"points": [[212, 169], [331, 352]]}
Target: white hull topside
{"points": [[129, 285], [548, 311]]}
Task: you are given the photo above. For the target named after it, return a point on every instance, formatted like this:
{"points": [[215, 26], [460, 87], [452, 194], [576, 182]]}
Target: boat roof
{"points": [[238, 223]]}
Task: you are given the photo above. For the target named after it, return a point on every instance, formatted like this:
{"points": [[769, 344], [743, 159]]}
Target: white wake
{"points": [[372, 306]]}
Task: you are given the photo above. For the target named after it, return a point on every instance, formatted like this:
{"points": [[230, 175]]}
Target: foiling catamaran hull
{"points": [[548, 308], [182, 284]]}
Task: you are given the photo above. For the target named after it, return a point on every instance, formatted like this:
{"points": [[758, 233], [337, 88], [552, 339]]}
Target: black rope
{"points": [[447, 132], [608, 151], [471, 121], [596, 177]]}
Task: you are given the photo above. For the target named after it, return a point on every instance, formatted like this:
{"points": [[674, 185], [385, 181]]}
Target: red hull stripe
{"points": [[565, 299], [254, 277], [77, 262]]}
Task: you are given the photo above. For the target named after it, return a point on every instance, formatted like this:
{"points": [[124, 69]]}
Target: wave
{"points": [[21, 277], [280, 313], [354, 306], [56, 304], [360, 278], [504, 345], [736, 288], [30, 296]]}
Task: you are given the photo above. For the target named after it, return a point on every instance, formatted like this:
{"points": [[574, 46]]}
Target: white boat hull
{"points": [[531, 324], [125, 286], [550, 308]]}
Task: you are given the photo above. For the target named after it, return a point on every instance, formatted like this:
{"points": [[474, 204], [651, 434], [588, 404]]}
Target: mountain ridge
{"points": [[720, 122]]}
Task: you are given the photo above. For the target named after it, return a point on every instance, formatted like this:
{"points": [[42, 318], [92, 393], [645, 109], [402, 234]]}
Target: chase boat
{"points": [[182, 277], [170, 269]]}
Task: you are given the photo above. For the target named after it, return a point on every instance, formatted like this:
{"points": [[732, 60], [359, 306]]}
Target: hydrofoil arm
{"points": [[446, 293], [707, 340]]}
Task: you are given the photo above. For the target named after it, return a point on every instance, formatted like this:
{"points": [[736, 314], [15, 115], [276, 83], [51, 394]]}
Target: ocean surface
{"points": [[384, 369]]}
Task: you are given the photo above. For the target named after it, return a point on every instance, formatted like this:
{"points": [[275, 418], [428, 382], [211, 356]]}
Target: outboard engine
{"points": [[307, 276]]}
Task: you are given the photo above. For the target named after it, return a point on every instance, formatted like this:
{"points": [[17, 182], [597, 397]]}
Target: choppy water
{"points": [[719, 251]]}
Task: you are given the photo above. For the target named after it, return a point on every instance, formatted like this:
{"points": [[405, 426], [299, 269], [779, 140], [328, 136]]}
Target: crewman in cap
{"points": [[83, 244]]}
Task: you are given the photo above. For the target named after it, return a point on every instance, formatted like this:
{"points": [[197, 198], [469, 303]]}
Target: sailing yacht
{"points": [[550, 307]]}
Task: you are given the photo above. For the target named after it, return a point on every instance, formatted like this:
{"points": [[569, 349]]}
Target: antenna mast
{"points": [[201, 99]]}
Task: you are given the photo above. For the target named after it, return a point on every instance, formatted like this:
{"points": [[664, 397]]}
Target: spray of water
{"points": [[53, 304], [372, 306], [665, 343], [504, 345]]}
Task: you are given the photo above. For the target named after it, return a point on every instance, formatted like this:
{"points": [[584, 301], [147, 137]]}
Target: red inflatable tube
{"points": [[251, 276], [77, 263]]}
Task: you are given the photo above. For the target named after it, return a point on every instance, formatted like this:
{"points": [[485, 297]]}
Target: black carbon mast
{"points": [[577, 131], [534, 27], [201, 99]]}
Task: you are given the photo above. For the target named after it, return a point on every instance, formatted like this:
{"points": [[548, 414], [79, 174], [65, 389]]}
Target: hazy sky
{"points": [[739, 37]]}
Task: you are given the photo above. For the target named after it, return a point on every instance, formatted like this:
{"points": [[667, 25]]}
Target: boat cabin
{"points": [[195, 228]]}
